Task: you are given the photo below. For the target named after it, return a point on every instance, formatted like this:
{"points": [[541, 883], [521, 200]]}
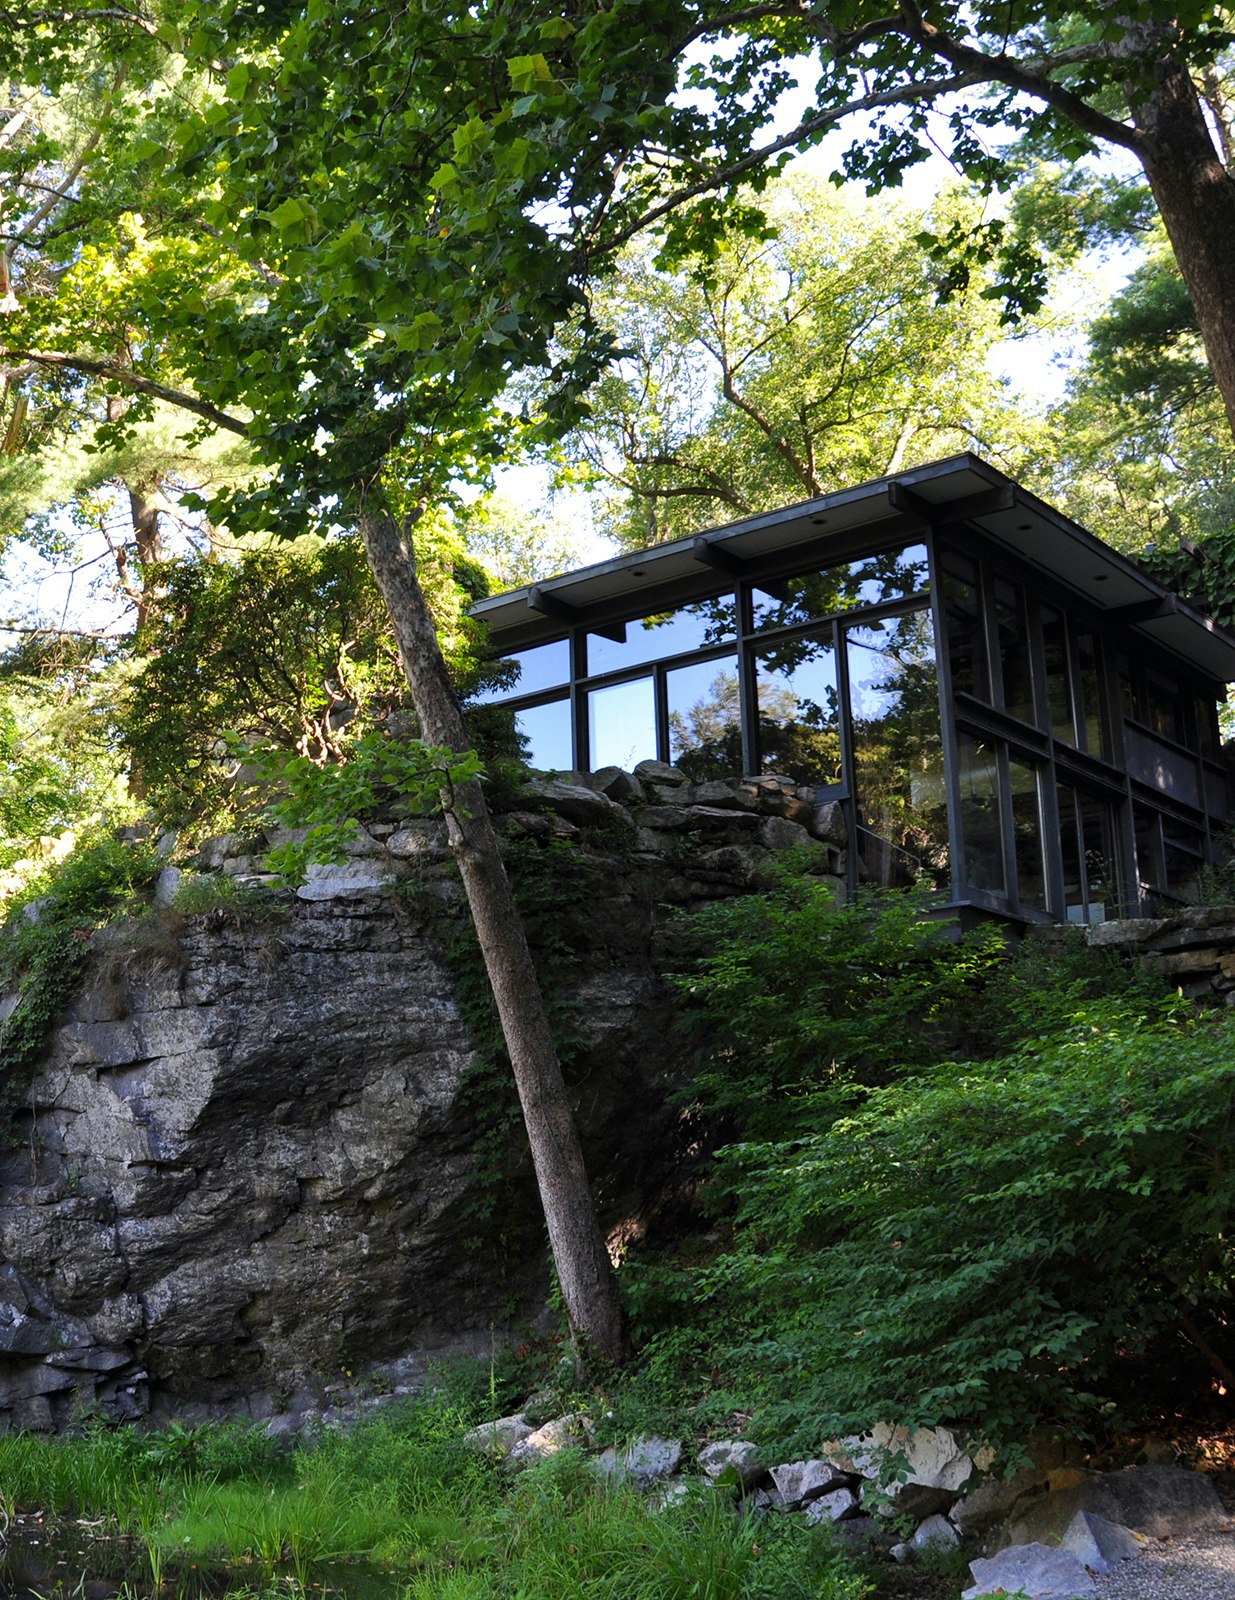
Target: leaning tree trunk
{"points": [[1195, 195], [589, 1289]]}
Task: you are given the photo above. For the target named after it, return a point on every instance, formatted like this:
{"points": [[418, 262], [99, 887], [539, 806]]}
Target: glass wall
{"points": [[900, 801], [1067, 775]]}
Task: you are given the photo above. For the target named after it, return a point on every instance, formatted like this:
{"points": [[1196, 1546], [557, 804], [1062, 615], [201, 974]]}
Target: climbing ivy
{"points": [[45, 945]]}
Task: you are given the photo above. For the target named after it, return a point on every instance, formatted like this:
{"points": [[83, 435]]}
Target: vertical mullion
{"points": [[748, 680], [947, 712], [578, 699]]}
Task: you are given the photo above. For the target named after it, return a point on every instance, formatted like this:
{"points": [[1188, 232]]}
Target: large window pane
{"points": [[1089, 683], [705, 719], [544, 666], [962, 599], [547, 732], [898, 751], [669, 633], [981, 818], [1088, 848], [1184, 850], [829, 591], [799, 717], [621, 722], [1013, 651], [1027, 834]]}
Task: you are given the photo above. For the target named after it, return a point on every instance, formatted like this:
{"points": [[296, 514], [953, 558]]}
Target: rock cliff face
{"points": [[259, 1150]]}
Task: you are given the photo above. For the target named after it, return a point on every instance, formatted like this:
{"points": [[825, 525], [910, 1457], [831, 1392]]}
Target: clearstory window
{"points": [[655, 638], [545, 666], [830, 591]]}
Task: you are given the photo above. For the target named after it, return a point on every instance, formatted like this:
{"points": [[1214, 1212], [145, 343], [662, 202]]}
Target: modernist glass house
{"points": [[1005, 706]]}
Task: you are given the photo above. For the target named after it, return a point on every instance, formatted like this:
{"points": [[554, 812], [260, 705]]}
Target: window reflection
{"points": [[546, 730], [981, 819], [1027, 834], [1058, 675], [669, 633], [1089, 684], [1088, 848], [621, 722], [962, 598], [705, 719], [827, 592], [799, 716], [898, 750], [1014, 662], [544, 666]]}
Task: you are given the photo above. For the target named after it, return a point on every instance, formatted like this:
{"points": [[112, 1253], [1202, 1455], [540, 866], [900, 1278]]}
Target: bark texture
{"points": [[1195, 195], [589, 1290]]}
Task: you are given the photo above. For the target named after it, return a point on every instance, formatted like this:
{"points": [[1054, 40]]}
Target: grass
{"points": [[399, 1493]]}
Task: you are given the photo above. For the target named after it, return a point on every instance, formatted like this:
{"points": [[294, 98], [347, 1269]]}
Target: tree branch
{"points": [[1028, 77], [126, 378], [908, 94]]}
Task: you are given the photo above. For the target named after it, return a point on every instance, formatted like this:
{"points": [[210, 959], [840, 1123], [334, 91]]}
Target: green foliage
{"points": [[58, 768], [396, 1488], [219, 894], [982, 1243], [779, 367], [794, 996], [1139, 450], [45, 943], [330, 801], [279, 647]]}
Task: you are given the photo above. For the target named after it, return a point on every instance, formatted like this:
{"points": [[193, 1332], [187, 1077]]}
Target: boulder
{"points": [[660, 772], [915, 1474], [498, 1438], [801, 1482], [1034, 1571], [726, 795], [644, 1461], [733, 1460], [838, 1506], [616, 784], [574, 801], [778, 833], [935, 1533], [343, 880], [1098, 1542], [828, 823], [1159, 1501], [572, 1432]]}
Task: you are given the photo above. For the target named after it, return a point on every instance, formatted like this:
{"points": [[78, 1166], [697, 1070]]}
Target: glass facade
{"points": [[986, 736]]}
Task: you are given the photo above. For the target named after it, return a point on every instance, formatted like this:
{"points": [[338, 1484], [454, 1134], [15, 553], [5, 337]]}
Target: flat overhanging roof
{"points": [[962, 489]]}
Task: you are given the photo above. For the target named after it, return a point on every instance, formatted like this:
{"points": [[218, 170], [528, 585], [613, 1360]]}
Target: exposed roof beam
{"points": [[1166, 605], [1000, 497], [714, 554], [551, 605]]}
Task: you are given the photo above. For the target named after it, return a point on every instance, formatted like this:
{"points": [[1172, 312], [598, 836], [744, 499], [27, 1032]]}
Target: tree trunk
{"points": [[589, 1289], [1195, 195], [148, 538]]}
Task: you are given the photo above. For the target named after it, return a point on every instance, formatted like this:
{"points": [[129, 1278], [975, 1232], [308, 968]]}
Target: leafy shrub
{"points": [[982, 1243], [792, 995], [792, 998]]}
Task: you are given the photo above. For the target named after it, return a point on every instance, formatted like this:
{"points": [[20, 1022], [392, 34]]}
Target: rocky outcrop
{"points": [[264, 1145]]}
